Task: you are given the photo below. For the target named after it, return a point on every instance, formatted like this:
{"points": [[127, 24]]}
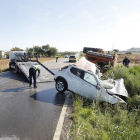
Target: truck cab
{"points": [[12, 56]]}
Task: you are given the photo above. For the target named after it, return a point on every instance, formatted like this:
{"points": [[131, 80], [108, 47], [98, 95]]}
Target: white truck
{"points": [[21, 62]]}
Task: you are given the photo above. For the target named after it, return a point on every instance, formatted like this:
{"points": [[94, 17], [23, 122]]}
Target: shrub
{"points": [[131, 78], [128, 53], [96, 121], [134, 102]]}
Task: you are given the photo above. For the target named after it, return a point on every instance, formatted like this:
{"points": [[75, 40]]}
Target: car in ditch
{"points": [[84, 78]]}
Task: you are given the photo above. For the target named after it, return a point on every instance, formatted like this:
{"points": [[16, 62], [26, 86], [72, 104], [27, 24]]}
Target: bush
{"points": [[0, 57], [131, 78], [103, 121], [128, 53]]}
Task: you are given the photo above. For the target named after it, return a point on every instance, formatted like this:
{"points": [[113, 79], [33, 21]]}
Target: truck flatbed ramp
{"points": [[45, 74]]}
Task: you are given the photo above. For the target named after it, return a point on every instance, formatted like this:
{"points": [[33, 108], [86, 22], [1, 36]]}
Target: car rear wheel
{"points": [[61, 85]]}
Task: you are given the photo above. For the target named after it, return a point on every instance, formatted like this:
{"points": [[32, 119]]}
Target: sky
{"points": [[70, 25]]}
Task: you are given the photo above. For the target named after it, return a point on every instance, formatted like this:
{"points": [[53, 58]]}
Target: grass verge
{"points": [[4, 70], [81, 55], [93, 120]]}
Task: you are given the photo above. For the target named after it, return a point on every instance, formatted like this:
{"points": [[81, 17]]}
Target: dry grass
{"points": [[45, 59], [4, 63], [134, 59]]}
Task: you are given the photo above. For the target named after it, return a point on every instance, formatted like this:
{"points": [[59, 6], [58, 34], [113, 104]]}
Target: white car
{"points": [[88, 84]]}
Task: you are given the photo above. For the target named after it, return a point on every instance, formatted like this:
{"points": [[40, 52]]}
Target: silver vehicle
{"points": [[88, 83], [66, 56]]}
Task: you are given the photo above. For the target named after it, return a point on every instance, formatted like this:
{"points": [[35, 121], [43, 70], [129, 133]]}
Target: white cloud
{"points": [[103, 18], [113, 7], [60, 16], [47, 13]]}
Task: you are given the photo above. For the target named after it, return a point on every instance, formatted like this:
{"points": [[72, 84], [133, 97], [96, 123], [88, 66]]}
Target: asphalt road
{"points": [[29, 114]]}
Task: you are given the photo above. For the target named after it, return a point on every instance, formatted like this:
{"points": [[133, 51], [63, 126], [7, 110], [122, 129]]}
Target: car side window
{"points": [[90, 78], [76, 71]]}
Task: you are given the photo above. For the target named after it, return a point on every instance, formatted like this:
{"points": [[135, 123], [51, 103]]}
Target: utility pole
{"points": [[113, 49], [33, 51]]}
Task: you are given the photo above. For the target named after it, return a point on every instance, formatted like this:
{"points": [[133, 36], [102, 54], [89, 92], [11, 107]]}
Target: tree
{"points": [[7, 54], [52, 51], [0, 57], [29, 51], [45, 48], [37, 50], [16, 48]]}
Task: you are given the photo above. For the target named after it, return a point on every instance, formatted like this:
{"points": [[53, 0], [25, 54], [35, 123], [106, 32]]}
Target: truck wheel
{"points": [[16, 69], [61, 85], [10, 66]]}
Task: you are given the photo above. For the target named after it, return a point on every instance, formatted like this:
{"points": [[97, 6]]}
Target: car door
{"points": [[88, 86], [75, 82]]}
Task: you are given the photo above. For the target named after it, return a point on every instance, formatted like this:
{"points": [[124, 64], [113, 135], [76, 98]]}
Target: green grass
{"points": [[93, 120], [81, 55], [4, 70]]}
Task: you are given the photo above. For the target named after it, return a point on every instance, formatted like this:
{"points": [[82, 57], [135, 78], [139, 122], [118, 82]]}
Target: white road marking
{"points": [[61, 120]]}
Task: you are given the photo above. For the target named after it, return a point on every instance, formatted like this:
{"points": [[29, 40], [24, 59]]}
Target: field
{"points": [[4, 63], [134, 59]]}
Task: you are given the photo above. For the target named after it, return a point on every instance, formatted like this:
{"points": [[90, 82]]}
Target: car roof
{"points": [[81, 69]]}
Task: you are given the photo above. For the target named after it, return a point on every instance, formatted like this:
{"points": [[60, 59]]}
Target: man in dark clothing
{"points": [[56, 58], [32, 73], [126, 62]]}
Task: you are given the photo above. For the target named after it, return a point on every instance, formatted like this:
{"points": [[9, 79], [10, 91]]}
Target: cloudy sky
{"points": [[70, 25]]}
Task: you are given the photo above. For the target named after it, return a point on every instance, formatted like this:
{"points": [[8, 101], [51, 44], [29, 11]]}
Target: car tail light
{"points": [[63, 68]]}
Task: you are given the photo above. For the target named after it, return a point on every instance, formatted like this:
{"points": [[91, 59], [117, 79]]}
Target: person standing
{"points": [[56, 58], [126, 62], [32, 73]]}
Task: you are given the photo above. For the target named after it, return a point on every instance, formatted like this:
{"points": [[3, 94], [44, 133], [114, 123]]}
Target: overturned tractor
{"points": [[102, 58]]}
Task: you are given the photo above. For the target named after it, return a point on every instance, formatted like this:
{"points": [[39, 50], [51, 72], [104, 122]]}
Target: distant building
{"points": [[2, 54]]}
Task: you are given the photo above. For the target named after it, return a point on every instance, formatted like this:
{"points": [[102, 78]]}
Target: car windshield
{"points": [[19, 53], [72, 56], [107, 84]]}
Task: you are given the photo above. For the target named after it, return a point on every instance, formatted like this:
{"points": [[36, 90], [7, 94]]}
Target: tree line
{"points": [[43, 51]]}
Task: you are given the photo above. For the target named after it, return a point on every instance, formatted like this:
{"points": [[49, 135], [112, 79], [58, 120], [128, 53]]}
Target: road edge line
{"points": [[61, 120]]}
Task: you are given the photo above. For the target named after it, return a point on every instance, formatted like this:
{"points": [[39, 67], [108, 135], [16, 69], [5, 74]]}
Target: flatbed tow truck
{"points": [[21, 63]]}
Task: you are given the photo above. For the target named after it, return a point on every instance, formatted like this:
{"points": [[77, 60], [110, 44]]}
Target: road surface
{"points": [[29, 114]]}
